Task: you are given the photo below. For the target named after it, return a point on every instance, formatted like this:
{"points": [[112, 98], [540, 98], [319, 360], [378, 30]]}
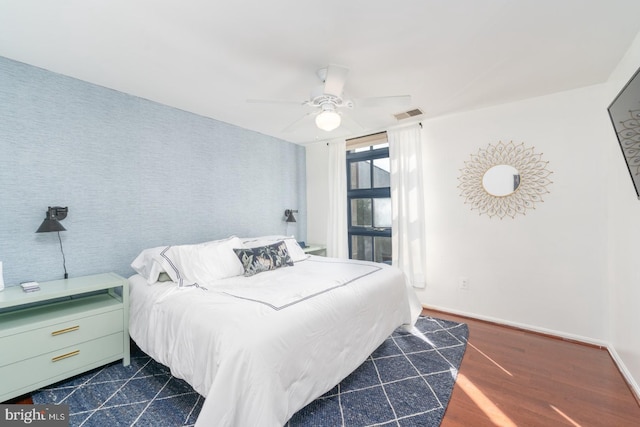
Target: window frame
{"points": [[366, 193]]}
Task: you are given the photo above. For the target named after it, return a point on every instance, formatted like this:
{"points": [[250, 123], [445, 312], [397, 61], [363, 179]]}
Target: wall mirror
{"points": [[501, 180], [504, 180]]}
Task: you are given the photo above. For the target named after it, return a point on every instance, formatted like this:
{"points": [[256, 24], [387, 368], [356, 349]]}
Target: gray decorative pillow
{"points": [[264, 258]]}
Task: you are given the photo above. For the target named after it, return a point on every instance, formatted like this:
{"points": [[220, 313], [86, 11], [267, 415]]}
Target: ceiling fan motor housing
{"points": [[319, 99]]}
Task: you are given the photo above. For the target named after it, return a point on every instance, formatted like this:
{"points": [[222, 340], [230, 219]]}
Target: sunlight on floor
{"points": [[496, 416], [565, 416], [490, 359]]}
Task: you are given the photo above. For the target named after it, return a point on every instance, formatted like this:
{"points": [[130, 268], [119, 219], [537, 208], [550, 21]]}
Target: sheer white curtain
{"points": [[337, 245], [407, 203]]}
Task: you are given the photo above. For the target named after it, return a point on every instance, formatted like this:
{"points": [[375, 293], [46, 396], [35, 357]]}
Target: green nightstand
{"points": [[67, 327], [320, 250]]}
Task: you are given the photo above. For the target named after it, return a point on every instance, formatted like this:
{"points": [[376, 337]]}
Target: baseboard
{"points": [[631, 382], [524, 327]]}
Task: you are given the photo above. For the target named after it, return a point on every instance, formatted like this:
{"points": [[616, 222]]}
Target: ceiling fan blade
{"points": [[384, 101], [335, 80], [351, 123], [275, 101], [298, 121]]}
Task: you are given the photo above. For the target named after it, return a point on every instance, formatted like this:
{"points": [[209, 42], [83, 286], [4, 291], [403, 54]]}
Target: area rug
{"points": [[407, 381]]}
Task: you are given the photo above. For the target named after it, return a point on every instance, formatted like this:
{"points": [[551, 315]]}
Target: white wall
{"points": [[317, 157], [624, 239], [546, 269]]}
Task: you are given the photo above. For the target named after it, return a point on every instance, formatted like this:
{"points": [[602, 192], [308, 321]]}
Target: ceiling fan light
{"points": [[328, 120]]}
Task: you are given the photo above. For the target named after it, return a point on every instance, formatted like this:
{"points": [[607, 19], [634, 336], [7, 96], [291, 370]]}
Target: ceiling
{"points": [[208, 57]]}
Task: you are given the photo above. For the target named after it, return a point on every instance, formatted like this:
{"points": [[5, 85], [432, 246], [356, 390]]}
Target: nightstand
{"points": [[67, 327], [320, 250]]}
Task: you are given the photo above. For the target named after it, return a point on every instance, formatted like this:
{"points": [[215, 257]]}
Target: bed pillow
{"points": [[201, 263], [295, 251], [147, 266], [264, 258]]}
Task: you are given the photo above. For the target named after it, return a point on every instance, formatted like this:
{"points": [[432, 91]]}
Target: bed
{"points": [[261, 345]]}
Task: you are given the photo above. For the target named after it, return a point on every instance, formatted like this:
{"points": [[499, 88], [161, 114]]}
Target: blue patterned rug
{"points": [[407, 381]]}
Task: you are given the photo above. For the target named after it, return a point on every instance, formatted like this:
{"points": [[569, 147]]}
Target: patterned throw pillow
{"points": [[264, 258]]}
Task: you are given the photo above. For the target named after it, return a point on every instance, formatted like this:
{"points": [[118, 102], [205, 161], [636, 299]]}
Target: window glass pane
{"points": [[382, 249], [381, 175], [361, 212], [360, 174], [368, 189], [382, 212], [362, 248]]}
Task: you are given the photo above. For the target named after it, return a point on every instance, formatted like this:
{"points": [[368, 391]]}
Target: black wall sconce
{"points": [[288, 215], [52, 223]]}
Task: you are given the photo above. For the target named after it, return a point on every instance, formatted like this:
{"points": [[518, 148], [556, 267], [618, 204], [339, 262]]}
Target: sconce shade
{"points": [[51, 222], [328, 120], [50, 225], [289, 216]]}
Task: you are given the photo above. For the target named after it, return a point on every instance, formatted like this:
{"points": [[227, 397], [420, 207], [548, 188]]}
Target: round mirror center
{"points": [[501, 180]]}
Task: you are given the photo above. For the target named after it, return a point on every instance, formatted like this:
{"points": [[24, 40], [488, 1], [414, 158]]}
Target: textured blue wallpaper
{"points": [[134, 174]]}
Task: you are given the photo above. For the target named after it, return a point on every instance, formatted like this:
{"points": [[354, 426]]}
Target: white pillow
{"points": [[146, 265], [201, 263], [295, 251]]}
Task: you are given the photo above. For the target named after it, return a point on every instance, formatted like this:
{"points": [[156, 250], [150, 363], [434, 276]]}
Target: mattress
{"points": [[260, 348]]}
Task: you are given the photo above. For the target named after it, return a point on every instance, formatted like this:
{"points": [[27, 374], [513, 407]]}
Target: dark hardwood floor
{"points": [[511, 377]]}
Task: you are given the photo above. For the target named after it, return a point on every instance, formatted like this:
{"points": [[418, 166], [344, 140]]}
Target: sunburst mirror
{"points": [[504, 180]]}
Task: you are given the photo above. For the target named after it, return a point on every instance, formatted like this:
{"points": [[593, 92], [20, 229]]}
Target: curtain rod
{"points": [[364, 136]]}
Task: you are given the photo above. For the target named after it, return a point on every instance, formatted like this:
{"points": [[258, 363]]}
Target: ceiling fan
{"points": [[328, 99]]}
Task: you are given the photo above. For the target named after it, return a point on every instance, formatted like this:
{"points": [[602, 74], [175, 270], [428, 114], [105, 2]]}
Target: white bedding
{"points": [[260, 348]]}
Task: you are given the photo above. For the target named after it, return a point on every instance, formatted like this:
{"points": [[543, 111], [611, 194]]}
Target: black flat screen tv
{"points": [[624, 112]]}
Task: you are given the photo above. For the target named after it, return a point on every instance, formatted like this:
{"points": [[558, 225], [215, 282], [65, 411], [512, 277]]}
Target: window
{"points": [[369, 198]]}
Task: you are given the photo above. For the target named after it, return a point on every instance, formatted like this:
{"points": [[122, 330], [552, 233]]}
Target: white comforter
{"points": [[260, 348]]}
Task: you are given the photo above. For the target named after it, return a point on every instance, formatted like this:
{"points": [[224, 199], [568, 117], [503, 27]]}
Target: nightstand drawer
{"points": [[57, 364], [60, 335]]}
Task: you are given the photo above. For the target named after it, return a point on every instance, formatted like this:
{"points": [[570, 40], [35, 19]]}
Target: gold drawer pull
{"points": [[64, 331], [64, 356]]}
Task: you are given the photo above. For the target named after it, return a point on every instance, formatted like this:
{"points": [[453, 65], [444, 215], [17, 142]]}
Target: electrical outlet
{"points": [[463, 283]]}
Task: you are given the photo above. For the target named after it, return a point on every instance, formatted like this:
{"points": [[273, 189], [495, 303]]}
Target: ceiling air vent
{"points": [[407, 114]]}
